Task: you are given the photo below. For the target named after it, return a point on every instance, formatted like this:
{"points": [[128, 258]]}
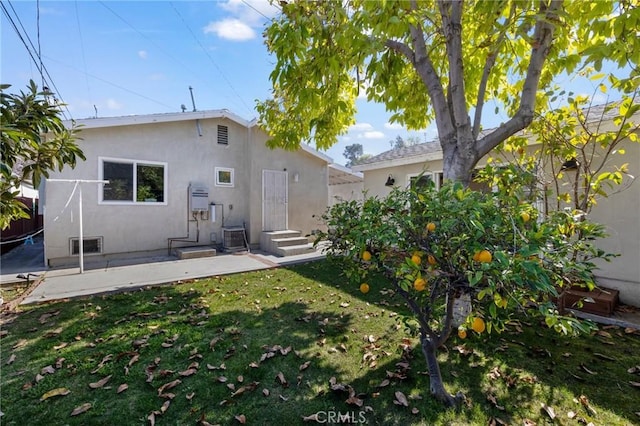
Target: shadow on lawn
{"points": [[518, 368]]}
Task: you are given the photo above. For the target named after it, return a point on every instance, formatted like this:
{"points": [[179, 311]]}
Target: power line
{"points": [[38, 62], [111, 83], [84, 60], [212, 60]]}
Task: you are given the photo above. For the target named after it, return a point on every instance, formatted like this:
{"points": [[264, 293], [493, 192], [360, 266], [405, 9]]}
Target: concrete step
{"points": [[294, 250], [287, 233], [195, 252], [290, 241]]}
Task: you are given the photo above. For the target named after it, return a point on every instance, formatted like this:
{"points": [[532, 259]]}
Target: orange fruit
{"points": [[431, 260], [478, 325], [416, 259], [475, 256], [366, 256], [364, 288], [525, 217], [462, 333], [484, 256], [431, 226], [420, 284]]}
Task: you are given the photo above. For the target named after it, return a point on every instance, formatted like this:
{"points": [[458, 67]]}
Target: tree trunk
{"points": [[458, 161], [435, 377]]}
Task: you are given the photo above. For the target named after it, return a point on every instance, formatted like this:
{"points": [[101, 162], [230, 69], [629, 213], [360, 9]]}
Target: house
{"points": [[202, 178], [620, 213]]}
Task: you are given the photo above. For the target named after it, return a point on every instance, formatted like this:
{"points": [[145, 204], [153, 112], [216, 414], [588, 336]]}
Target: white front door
{"points": [[275, 200]]}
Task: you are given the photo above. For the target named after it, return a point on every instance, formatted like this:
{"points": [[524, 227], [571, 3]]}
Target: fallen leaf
{"points": [[312, 418], [634, 369], [384, 383], [123, 387], [190, 396], [584, 368], [55, 392], [240, 379], [635, 384], [305, 366], [241, 419], [100, 383], [152, 419], [603, 356], [165, 406], [53, 333], [81, 409], [39, 378], [11, 359], [222, 379], [60, 346], [265, 392], [415, 411], [282, 380], [47, 370], [168, 386], [571, 414], [604, 334], [188, 372], [549, 410], [59, 363], [20, 343], [401, 399]]}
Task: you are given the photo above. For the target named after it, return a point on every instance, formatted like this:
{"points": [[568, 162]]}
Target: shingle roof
{"points": [[404, 152]]}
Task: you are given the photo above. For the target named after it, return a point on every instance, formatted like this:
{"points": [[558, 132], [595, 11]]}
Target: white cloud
{"points": [[113, 104], [246, 16], [251, 11], [142, 54], [358, 127], [374, 134], [231, 29], [393, 126]]}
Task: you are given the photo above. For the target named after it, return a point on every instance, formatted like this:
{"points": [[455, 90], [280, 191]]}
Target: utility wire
{"points": [[212, 60], [32, 51], [111, 83], [84, 60]]}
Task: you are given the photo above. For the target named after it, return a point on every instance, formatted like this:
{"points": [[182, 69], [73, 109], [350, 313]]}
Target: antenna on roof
{"points": [[96, 110], [192, 100], [183, 107]]}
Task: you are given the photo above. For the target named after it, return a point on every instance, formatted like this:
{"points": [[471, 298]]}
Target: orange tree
{"points": [[461, 259]]}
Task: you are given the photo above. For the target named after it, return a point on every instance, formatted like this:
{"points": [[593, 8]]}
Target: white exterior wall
{"points": [[345, 192], [307, 197], [190, 155]]}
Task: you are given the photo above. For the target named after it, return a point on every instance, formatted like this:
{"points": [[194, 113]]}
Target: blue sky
{"points": [[140, 57]]}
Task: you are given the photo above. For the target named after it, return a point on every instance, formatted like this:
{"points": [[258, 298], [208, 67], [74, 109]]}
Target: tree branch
{"points": [[488, 66], [540, 46]]}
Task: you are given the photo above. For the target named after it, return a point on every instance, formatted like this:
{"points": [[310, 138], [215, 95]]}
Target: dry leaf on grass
{"points": [[100, 383], [305, 366], [188, 372], [47, 370], [81, 409], [11, 359], [282, 380], [401, 399], [168, 386], [241, 418], [549, 410], [55, 392], [585, 403]]}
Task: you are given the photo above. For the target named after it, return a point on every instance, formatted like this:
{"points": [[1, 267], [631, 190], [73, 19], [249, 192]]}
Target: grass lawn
{"points": [[276, 346]]}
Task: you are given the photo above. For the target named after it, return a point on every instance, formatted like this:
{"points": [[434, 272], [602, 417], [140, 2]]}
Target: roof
{"points": [[339, 175], [430, 151], [130, 120], [400, 156]]}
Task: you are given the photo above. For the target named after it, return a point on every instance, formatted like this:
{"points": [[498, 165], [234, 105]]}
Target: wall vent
{"points": [[223, 135], [91, 245]]}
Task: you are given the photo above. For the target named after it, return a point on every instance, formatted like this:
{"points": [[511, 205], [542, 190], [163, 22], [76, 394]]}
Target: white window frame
{"points": [[432, 175], [135, 163], [225, 184]]}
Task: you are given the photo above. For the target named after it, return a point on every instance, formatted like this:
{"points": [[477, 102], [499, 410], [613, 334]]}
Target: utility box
{"points": [[198, 199]]}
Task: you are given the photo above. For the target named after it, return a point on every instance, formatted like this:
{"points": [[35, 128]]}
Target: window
{"points": [[224, 176], [133, 181], [420, 181], [223, 135], [91, 245]]}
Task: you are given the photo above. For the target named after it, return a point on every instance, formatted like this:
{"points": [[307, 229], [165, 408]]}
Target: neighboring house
{"points": [[620, 213], [183, 179]]}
